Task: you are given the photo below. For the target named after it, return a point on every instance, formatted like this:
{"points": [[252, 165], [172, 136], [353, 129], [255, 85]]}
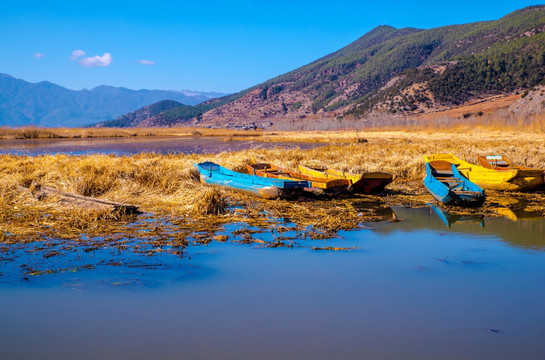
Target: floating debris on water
{"points": [[331, 248]]}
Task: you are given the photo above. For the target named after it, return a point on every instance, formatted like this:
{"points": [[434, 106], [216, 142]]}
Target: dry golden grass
{"points": [[167, 189], [30, 132], [481, 122], [458, 121], [464, 119]]}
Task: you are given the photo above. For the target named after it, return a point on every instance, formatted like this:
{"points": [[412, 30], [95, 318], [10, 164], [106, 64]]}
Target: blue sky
{"points": [[216, 45]]}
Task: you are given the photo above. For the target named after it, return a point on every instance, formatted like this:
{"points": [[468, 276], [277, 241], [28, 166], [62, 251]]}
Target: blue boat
{"points": [[447, 185], [267, 188]]}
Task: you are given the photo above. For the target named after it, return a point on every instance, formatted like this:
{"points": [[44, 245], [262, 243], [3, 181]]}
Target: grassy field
{"points": [[177, 206]]}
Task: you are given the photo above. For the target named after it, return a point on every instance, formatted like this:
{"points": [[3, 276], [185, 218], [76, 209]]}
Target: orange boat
{"points": [[527, 178], [316, 185], [364, 183]]}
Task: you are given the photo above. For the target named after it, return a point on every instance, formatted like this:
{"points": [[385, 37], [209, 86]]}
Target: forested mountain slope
{"points": [[393, 71]]}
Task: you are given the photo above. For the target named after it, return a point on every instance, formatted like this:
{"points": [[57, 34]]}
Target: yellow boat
{"points": [[504, 180], [365, 183]]}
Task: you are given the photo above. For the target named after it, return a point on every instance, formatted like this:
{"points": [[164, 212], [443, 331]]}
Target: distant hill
{"points": [[141, 117], [9, 115], [393, 71], [51, 105]]}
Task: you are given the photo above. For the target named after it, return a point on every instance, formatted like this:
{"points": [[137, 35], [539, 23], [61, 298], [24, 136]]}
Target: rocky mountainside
{"points": [[51, 105], [393, 71]]}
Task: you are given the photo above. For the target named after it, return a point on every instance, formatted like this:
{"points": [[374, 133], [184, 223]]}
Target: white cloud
{"points": [[147, 62], [104, 60], [38, 55], [76, 54]]}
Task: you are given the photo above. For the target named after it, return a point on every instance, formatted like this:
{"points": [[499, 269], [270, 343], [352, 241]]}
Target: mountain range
{"points": [[387, 71], [50, 105]]}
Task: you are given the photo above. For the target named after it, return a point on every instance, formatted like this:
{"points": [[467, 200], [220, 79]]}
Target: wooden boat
{"points": [[493, 179], [214, 174], [366, 183], [446, 184], [495, 162], [531, 177], [316, 185]]}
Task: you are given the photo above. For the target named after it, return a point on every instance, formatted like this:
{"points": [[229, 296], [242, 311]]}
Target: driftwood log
{"points": [[86, 201]]}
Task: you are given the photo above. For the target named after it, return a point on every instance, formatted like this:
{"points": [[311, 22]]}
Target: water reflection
{"points": [[130, 146], [433, 291], [515, 208], [375, 208], [449, 219], [523, 229]]}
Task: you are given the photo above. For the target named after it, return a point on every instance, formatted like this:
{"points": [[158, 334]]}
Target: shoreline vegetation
{"points": [[178, 208], [318, 129], [30, 132]]}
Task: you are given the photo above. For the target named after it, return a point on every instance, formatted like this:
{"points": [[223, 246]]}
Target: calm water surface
{"points": [[130, 146], [415, 289]]}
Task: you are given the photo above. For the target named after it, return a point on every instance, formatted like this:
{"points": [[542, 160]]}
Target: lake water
{"points": [[134, 145], [413, 289]]}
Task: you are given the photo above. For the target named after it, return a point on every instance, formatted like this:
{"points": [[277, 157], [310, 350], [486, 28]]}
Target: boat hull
{"points": [[213, 174], [372, 183], [452, 189], [450, 199], [526, 179], [264, 192]]}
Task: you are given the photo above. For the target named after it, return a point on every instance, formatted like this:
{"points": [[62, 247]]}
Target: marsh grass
{"points": [[499, 120], [178, 209], [31, 132], [455, 120]]}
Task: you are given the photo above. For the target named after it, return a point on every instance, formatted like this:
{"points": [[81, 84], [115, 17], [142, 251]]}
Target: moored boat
{"points": [[214, 174], [507, 180], [365, 183], [527, 177], [446, 184], [316, 185]]}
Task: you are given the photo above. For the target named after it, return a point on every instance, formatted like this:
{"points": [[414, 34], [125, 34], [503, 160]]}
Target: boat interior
{"points": [[442, 171], [495, 161], [272, 170]]}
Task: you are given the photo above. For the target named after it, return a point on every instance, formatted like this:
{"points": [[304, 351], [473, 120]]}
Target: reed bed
{"points": [[32, 132], [177, 208], [314, 127], [531, 120]]}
